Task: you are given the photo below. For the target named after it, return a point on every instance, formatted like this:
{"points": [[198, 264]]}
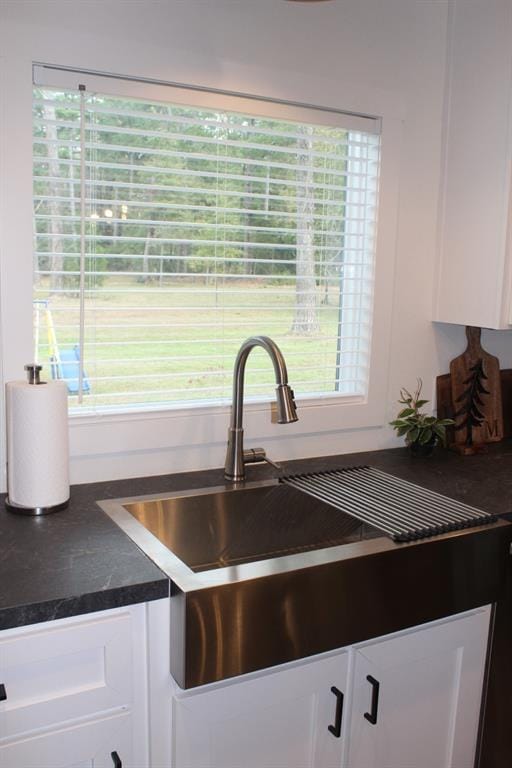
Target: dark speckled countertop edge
{"points": [[21, 615], [78, 561]]}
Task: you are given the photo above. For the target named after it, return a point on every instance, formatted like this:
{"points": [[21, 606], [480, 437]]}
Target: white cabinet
{"points": [[76, 692], [416, 697], [291, 718], [410, 700], [102, 743], [77, 697], [475, 250]]}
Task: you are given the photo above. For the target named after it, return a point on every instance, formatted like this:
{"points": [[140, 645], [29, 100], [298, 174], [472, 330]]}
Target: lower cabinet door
{"points": [[416, 699], [67, 669], [287, 719], [105, 743]]}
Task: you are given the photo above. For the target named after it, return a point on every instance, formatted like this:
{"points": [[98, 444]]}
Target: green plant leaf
{"points": [[421, 403], [410, 421], [414, 434], [405, 395], [401, 431], [425, 436], [406, 412]]}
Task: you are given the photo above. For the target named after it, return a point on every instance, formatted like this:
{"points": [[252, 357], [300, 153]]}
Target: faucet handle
{"points": [[254, 455], [274, 464]]}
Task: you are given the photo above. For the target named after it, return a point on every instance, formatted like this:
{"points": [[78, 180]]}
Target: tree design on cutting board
{"points": [[470, 402]]}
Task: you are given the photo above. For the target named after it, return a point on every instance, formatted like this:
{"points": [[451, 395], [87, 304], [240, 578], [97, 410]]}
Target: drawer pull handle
{"points": [[3, 692], [336, 728], [372, 715], [116, 760]]}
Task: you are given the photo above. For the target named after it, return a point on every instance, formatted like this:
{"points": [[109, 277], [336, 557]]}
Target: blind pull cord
{"points": [[81, 336]]}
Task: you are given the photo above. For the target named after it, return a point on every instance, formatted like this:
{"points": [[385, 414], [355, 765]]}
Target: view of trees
{"points": [[205, 210]]}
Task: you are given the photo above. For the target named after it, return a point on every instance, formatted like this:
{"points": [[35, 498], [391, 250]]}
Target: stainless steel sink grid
{"points": [[400, 509]]}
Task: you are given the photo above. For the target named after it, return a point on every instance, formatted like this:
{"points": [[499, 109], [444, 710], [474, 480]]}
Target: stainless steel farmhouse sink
{"points": [[222, 528], [262, 574]]}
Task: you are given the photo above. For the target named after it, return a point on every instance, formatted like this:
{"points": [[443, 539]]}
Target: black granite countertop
{"points": [[78, 561]]}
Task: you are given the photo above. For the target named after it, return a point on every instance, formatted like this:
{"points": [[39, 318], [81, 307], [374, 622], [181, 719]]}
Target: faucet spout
{"points": [[286, 409]]}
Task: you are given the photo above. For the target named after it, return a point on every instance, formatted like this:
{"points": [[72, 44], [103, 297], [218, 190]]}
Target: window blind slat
{"points": [[197, 153], [159, 205]]}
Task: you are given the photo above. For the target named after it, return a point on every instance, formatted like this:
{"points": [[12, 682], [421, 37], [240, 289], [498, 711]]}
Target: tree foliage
{"points": [[175, 190]]}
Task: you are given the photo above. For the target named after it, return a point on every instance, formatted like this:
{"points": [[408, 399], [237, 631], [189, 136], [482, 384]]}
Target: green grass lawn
{"points": [[156, 339]]}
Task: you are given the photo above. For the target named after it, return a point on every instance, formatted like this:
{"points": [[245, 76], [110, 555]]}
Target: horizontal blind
{"points": [[199, 227]]}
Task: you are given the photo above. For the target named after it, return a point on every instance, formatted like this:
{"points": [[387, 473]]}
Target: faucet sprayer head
{"points": [[286, 409]]}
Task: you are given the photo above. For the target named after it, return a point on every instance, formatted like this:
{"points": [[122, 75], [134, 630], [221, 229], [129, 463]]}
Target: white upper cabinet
{"points": [[475, 253]]}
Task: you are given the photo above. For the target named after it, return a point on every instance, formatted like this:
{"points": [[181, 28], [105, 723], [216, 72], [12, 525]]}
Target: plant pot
{"points": [[422, 449]]}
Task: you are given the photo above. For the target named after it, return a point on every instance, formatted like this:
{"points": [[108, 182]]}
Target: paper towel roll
{"points": [[37, 443]]}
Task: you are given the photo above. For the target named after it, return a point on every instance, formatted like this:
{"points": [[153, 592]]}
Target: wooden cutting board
{"points": [[476, 395], [444, 405]]}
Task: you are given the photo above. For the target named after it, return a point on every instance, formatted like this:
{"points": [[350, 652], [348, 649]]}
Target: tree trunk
{"points": [[246, 204], [183, 252], [56, 259], [305, 321], [246, 221], [146, 277]]}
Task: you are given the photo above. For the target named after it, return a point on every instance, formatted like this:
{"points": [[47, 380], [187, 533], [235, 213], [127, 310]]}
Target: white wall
{"points": [[395, 46]]}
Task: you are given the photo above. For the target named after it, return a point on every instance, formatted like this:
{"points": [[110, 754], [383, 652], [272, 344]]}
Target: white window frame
{"points": [[106, 446]]}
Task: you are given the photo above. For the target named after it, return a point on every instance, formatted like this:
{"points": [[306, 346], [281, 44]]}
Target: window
{"points": [[167, 232]]}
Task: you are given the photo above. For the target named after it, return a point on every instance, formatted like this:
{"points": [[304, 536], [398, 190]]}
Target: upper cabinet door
{"points": [[417, 695], [288, 719], [475, 276]]}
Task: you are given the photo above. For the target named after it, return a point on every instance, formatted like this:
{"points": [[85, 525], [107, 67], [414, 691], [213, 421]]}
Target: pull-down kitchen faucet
{"points": [[236, 457]]}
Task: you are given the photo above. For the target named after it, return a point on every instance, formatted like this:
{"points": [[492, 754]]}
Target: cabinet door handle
{"points": [[3, 692], [336, 728], [116, 760], [372, 715]]}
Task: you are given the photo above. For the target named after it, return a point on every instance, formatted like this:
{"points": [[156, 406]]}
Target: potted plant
{"points": [[422, 432]]}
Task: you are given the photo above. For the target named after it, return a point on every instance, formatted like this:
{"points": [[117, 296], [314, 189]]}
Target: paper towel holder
{"points": [[34, 511], [33, 375]]}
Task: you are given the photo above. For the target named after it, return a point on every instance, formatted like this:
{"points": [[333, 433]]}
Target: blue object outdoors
{"points": [[63, 363], [66, 367]]}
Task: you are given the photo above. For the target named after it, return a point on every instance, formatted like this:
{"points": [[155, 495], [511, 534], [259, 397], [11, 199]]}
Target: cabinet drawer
{"points": [[88, 745], [56, 672]]}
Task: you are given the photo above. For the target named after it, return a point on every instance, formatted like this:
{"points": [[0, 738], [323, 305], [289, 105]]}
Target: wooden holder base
{"points": [[468, 450]]}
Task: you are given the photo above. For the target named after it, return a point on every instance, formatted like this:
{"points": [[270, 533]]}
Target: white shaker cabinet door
{"points": [[287, 719], [474, 281], [416, 700], [61, 670], [103, 743]]}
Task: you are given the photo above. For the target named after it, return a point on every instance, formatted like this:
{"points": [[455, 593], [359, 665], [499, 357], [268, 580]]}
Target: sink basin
{"points": [[225, 528], [262, 574]]}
